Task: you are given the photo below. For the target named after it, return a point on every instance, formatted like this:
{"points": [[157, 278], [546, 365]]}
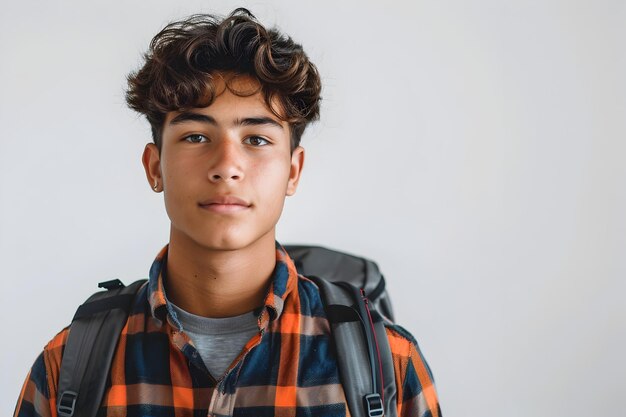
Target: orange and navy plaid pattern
{"points": [[287, 369]]}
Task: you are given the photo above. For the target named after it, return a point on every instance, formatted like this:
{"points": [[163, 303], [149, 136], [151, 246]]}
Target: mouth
{"points": [[225, 204]]}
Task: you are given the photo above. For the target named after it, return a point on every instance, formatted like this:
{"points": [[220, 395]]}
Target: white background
{"points": [[474, 149]]}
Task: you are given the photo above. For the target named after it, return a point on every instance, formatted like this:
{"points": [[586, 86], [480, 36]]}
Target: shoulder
{"points": [[415, 386], [401, 342], [405, 349], [39, 391], [53, 351], [40, 387], [414, 378]]}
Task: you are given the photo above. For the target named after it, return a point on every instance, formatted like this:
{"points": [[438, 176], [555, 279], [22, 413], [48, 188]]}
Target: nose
{"points": [[227, 163]]}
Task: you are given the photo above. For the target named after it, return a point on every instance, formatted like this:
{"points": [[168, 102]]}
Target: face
{"points": [[225, 170]]}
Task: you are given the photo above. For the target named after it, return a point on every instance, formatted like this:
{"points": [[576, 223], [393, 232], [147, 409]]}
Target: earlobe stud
{"points": [[156, 185]]}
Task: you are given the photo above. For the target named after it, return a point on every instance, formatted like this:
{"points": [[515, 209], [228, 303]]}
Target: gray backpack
{"points": [[355, 301]]}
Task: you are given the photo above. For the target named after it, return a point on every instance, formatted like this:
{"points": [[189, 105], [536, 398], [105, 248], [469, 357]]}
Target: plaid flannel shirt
{"points": [[287, 369]]}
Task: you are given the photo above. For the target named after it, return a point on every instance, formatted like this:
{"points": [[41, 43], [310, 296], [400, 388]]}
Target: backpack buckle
{"points": [[67, 402], [111, 285], [374, 405]]}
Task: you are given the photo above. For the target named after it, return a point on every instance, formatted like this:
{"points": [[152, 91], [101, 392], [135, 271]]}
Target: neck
{"points": [[218, 283]]}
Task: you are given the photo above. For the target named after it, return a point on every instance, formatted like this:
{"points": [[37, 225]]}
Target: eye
{"points": [[256, 141], [196, 138]]}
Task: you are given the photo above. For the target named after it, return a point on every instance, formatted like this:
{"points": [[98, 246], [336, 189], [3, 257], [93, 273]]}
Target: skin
{"points": [[221, 257]]}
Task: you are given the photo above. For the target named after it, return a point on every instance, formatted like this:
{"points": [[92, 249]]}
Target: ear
{"points": [[297, 163], [151, 160]]}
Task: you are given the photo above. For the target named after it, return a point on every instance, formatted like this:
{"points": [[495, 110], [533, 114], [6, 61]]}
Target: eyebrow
{"points": [[258, 121], [188, 116]]}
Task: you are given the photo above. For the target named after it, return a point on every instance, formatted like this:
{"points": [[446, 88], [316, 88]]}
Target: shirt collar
{"points": [[283, 281]]}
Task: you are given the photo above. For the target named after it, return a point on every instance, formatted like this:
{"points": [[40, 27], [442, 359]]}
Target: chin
{"points": [[229, 241], [223, 236]]}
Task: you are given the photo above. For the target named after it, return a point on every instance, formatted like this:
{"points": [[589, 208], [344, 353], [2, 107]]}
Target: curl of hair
{"points": [[183, 59]]}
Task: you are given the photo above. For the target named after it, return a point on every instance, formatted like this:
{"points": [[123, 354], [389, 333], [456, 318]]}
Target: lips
{"points": [[225, 200], [225, 204]]}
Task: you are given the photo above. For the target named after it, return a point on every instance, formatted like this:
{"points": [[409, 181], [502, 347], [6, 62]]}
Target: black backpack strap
{"points": [[363, 353], [90, 346]]}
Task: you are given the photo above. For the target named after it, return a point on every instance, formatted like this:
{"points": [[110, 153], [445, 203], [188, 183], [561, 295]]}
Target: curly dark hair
{"points": [[183, 57]]}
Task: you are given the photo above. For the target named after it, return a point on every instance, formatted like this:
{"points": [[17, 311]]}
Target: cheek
{"points": [[179, 169], [270, 178], [179, 181]]}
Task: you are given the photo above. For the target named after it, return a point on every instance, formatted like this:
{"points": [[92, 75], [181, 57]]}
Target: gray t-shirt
{"points": [[219, 341]]}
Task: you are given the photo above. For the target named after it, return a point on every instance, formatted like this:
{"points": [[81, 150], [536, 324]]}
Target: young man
{"points": [[225, 326]]}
